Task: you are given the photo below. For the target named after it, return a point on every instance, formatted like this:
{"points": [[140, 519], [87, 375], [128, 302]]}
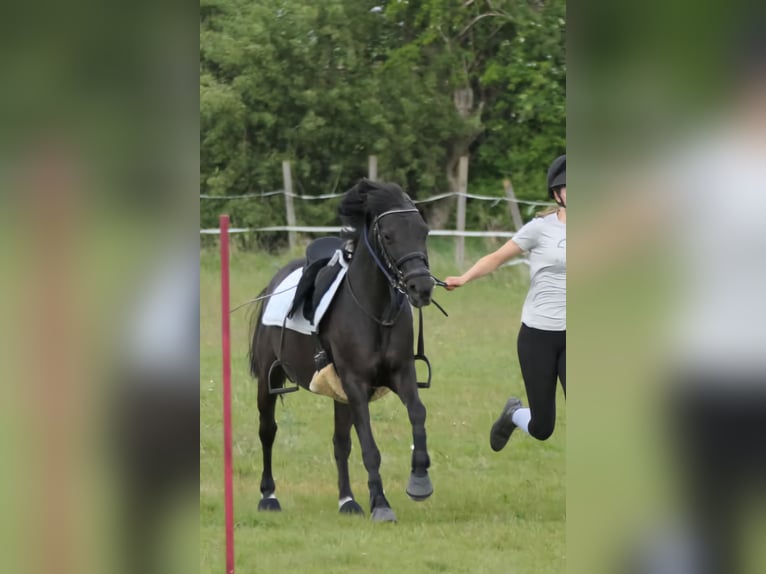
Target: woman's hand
{"points": [[453, 282]]}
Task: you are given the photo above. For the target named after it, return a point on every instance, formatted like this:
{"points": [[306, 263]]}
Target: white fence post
{"points": [[372, 168], [289, 207], [513, 205], [461, 200]]}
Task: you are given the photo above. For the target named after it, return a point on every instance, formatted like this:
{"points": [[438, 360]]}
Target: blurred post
{"points": [[226, 340], [513, 205], [461, 198], [372, 170], [290, 209]]}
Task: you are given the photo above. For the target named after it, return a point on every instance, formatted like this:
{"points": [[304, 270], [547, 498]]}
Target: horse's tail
{"points": [[259, 343], [257, 329], [256, 314]]}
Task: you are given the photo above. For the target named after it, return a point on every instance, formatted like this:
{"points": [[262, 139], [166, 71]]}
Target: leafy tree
{"points": [[419, 84]]}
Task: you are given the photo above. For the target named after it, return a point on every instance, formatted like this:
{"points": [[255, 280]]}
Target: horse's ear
{"points": [[363, 187]]}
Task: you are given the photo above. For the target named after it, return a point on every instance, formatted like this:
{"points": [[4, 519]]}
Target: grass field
{"points": [[490, 512]]}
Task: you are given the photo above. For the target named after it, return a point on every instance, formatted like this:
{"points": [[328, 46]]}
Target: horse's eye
{"points": [[386, 238]]}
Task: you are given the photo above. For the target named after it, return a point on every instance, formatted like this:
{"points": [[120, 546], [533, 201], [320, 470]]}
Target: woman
{"points": [[542, 338]]}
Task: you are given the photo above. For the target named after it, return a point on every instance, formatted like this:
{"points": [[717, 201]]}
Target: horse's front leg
{"points": [[341, 441], [419, 486], [380, 509]]}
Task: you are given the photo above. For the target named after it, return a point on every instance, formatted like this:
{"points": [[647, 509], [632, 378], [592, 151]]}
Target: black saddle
{"points": [[317, 275]]}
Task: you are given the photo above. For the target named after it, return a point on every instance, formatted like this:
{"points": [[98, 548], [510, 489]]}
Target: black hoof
{"points": [[269, 504], [383, 514], [419, 487], [351, 507]]}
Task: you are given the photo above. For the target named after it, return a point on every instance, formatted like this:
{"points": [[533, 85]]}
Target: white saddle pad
{"points": [[279, 305]]}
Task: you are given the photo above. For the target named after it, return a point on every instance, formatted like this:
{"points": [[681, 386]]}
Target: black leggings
{"points": [[543, 359], [718, 424]]}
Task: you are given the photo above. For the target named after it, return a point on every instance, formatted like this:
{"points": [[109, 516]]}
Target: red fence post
{"points": [[226, 340]]}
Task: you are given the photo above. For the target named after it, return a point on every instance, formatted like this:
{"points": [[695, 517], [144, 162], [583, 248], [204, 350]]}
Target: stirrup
{"points": [[321, 360], [427, 383], [277, 364]]}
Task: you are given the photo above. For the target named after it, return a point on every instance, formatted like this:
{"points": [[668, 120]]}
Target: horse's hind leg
{"points": [[341, 441], [419, 486], [267, 431]]}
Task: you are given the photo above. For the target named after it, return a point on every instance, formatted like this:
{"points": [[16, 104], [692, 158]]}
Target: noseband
{"points": [[392, 268]]}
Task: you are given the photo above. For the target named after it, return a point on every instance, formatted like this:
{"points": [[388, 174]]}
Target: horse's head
{"points": [[383, 219]]}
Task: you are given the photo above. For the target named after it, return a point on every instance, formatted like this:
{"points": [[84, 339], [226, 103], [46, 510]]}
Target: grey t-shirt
{"points": [[545, 239]]}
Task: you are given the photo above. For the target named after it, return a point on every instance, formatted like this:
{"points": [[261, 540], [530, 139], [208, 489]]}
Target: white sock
{"points": [[521, 418]]}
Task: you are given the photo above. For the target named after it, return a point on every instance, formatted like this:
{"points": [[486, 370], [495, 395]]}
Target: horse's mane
{"points": [[366, 200]]}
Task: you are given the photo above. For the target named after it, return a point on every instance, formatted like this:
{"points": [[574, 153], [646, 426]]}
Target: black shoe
{"points": [[321, 360], [503, 427]]}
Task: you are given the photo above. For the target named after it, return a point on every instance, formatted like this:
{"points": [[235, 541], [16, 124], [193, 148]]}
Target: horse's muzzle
{"points": [[420, 289]]}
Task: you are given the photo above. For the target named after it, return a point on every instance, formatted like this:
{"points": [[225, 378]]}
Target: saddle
{"points": [[319, 272], [317, 275]]}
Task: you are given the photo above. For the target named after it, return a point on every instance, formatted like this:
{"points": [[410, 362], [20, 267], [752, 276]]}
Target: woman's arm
{"points": [[485, 265]]}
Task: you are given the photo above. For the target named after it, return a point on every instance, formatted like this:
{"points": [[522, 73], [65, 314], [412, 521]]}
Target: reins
{"points": [[397, 282], [393, 304]]}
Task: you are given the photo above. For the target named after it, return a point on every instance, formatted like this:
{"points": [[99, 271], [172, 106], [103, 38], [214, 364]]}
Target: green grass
{"points": [[490, 512]]}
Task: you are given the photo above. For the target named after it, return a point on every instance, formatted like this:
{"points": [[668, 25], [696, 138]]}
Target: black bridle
{"points": [[392, 268], [392, 271]]}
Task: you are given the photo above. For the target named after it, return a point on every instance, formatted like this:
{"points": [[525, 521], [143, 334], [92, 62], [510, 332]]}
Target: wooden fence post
{"points": [[289, 207], [513, 205], [372, 168], [462, 184]]}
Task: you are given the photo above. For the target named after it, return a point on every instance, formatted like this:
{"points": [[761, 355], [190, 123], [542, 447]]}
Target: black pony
{"points": [[367, 333]]}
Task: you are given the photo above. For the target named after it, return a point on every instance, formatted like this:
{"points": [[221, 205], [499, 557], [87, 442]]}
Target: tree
{"points": [[417, 83]]}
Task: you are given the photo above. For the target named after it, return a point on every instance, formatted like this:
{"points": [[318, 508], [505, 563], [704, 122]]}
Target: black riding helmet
{"points": [[557, 175]]}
